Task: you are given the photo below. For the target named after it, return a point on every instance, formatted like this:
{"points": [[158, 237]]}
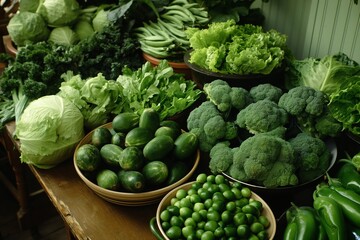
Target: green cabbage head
{"points": [[27, 27], [49, 130], [58, 13]]}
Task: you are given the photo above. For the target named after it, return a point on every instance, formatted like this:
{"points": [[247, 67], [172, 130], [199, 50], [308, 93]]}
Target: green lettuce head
{"points": [[27, 27], [49, 130], [58, 13]]}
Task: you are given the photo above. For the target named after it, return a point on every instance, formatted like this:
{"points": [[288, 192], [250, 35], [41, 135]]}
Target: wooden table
{"points": [[86, 215]]}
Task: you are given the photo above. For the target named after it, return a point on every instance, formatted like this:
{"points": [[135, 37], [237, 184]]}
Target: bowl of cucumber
{"points": [[120, 168]]}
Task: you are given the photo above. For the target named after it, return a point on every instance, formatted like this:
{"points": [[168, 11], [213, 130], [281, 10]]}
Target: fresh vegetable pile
{"points": [[214, 208], [338, 77], [254, 136], [138, 153], [335, 213], [226, 47]]}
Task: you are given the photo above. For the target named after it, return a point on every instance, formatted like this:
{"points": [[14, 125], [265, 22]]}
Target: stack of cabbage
{"points": [[59, 21]]}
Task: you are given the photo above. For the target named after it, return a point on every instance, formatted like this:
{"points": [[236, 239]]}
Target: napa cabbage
{"points": [[49, 130]]}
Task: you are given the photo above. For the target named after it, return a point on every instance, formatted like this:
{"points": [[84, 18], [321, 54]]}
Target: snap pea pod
{"points": [[350, 208], [331, 217]]}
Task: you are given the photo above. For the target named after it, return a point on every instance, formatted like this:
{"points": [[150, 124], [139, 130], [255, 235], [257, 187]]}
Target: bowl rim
{"points": [[131, 196], [165, 200], [330, 143]]}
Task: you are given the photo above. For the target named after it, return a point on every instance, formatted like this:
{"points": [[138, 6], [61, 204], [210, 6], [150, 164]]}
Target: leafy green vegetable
{"points": [[58, 13], [96, 97], [49, 131], [63, 36], [159, 88], [325, 74], [27, 27], [345, 105], [236, 49]]}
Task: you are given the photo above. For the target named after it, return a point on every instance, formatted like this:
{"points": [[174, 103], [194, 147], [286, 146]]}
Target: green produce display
{"points": [[214, 208], [141, 161]]}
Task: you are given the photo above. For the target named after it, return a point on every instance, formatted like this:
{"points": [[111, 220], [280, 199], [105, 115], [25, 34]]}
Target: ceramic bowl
{"points": [[166, 201], [127, 198]]}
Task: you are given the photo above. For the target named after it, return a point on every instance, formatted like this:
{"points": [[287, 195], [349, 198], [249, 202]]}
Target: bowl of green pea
{"points": [[212, 207]]}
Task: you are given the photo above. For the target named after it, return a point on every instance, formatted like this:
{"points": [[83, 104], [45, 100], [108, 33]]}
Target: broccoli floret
{"points": [[231, 131], [327, 125], [221, 157], [312, 156], [207, 122], [226, 97], [261, 116], [303, 100], [266, 91], [281, 174], [255, 159], [310, 110]]}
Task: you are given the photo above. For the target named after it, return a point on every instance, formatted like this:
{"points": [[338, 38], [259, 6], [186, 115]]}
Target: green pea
{"points": [[243, 230], [174, 232], [188, 231], [246, 192], [240, 218], [256, 227], [264, 221], [165, 215], [207, 235], [211, 225]]}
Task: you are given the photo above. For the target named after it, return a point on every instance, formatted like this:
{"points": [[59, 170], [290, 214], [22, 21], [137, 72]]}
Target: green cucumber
{"points": [[132, 181], [107, 179], [124, 122], [131, 158], [155, 173], [185, 145], [168, 131], [101, 136], [87, 158], [149, 119], [110, 153], [158, 147], [138, 137]]}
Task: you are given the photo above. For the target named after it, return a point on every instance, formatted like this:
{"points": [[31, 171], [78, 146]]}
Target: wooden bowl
{"points": [[127, 198], [267, 212]]}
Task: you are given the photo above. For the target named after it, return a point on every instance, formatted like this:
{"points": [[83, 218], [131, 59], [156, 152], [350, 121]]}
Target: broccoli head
{"points": [[226, 97], [256, 157], [207, 122], [312, 156], [261, 116], [303, 100], [266, 91], [221, 157]]}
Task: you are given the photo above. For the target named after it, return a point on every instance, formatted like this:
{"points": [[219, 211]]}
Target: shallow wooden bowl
{"points": [[126, 198]]}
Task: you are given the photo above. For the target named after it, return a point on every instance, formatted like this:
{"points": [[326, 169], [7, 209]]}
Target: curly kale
{"points": [[261, 116], [312, 156]]}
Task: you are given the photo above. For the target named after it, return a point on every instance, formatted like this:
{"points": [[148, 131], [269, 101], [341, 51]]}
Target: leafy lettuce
{"points": [[228, 48]]}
